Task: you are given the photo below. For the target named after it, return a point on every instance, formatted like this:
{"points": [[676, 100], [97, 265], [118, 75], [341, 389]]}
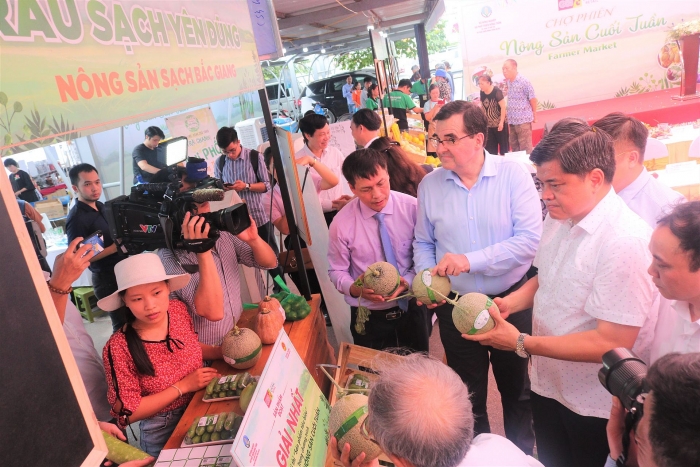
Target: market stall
{"points": [[309, 338]]}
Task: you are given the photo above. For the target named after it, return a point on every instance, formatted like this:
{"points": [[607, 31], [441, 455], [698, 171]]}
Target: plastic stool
{"points": [[82, 298]]}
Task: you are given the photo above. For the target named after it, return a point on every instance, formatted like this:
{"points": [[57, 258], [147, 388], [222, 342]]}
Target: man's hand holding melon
{"points": [[451, 264], [503, 337], [344, 456]]}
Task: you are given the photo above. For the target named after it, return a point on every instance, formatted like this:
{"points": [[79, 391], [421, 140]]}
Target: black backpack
{"points": [[254, 161]]}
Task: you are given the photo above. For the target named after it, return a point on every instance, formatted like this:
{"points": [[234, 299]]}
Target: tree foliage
{"points": [[436, 39]]}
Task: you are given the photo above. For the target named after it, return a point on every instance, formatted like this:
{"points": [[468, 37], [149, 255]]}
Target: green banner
{"points": [[69, 68]]}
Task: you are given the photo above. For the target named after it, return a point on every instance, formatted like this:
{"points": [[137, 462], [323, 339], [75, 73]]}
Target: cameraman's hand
{"points": [[250, 234], [238, 185], [615, 430], [194, 227]]}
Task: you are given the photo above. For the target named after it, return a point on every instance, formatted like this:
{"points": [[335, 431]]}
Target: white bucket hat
{"points": [[145, 268]]}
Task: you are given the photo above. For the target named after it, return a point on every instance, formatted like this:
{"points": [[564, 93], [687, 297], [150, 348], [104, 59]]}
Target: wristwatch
{"points": [[520, 346], [247, 187]]}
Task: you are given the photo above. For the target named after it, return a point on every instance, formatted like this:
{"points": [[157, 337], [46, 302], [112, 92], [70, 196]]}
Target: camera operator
{"points": [[675, 270], [243, 170], [217, 286], [667, 433], [86, 217]]}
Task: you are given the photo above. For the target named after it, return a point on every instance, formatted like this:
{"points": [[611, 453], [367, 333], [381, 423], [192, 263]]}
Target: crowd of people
{"points": [[616, 264]]}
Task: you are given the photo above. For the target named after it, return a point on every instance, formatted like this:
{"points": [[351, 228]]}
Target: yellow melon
{"points": [[471, 314], [438, 284], [344, 423]]}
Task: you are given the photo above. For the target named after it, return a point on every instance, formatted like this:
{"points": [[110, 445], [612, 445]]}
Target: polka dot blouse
{"points": [[173, 358]]}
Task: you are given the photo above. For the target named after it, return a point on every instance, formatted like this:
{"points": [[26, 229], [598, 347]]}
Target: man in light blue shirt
{"points": [[479, 221], [347, 94]]}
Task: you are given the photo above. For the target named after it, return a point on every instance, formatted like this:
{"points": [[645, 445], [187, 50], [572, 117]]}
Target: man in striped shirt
{"points": [[246, 248], [250, 182]]}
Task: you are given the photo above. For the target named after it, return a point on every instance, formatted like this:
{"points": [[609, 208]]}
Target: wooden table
{"points": [[311, 342]]}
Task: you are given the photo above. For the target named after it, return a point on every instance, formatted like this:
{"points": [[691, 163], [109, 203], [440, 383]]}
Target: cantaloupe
{"points": [[344, 423], [383, 278], [241, 348], [471, 314], [439, 284]]}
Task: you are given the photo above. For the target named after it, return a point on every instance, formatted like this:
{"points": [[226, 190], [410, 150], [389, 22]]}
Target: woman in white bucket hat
{"points": [[155, 362]]}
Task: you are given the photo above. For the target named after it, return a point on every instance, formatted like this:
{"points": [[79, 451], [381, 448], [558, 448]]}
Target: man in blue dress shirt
{"points": [[479, 221]]}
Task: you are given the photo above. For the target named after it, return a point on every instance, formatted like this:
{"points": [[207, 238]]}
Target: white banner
{"points": [[575, 51]]}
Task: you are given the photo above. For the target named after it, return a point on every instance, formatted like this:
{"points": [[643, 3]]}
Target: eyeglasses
{"points": [[231, 151], [448, 141], [365, 433]]}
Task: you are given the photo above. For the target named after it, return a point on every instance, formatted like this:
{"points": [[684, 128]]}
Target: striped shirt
{"points": [[241, 169], [228, 252]]}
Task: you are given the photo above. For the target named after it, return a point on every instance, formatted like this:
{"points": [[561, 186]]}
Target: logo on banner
{"points": [[486, 11], [148, 228], [246, 441], [566, 4], [192, 123]]}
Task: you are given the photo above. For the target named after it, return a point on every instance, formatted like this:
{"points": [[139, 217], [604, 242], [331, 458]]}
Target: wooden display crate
{"points": [[52, 208], [350, 359]]}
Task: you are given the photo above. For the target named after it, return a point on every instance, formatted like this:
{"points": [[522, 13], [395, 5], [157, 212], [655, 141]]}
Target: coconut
{"points": [[383, 278], [439, 284], [471, 314], [241, 348], [344, 423]]}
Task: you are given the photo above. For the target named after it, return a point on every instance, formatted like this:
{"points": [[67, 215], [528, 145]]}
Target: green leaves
{"points": [[17, 107], [3, 99], [436, 39]]}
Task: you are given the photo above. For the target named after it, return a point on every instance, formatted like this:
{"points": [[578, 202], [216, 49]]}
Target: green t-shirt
{"points": [[371, 104], [418, 88], [399, 100]]}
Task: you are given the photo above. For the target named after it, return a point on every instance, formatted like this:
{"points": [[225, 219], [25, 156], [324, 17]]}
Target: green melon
{"points": [[439, 284], [383, 278], [344, 423], [241, 348], [471, 314]]}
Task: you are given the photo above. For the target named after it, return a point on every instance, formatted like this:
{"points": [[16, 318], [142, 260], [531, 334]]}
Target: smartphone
{"points": [[96, 240], [441, 102]]}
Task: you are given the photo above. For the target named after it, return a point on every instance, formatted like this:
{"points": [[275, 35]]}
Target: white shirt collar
{"points": [[631, 190]]}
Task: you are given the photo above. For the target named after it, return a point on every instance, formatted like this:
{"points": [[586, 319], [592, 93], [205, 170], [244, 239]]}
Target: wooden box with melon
{"points": [[350, 359]]}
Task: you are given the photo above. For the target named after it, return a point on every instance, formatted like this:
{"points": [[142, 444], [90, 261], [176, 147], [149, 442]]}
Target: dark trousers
{"points": [[105, 283], [470, 360], [565, 438], [267, 233], [497, 141], [382, 333]]}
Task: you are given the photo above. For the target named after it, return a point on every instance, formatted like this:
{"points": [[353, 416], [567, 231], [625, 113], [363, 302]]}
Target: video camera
{"points": [[151, 216], [623, 374]]}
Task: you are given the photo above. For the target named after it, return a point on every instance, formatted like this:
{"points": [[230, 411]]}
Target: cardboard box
{"points": [[58, 193], [52, 208]]}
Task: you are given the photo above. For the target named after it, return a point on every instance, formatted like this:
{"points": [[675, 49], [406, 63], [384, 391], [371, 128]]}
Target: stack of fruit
{"points": [[228, 387], [213, 429]]}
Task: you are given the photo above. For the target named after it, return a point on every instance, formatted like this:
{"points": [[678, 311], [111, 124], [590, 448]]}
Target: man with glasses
{"points": [[243, 170], [479, 221], [411, 435]]}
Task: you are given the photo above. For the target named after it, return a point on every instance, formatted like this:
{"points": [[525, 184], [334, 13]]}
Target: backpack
{"points": [[254, 161]]}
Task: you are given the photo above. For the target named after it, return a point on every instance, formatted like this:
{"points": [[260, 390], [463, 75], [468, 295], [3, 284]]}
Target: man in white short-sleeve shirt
{"points": [[644, 194], [675, 270], [592, 294]]}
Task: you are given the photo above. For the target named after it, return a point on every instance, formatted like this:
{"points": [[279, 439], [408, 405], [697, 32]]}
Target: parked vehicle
{"points": [[328, 92], [281, 99]]}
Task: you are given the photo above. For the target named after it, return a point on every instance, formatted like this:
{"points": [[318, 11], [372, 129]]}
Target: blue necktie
{"points": [[389, 251]]}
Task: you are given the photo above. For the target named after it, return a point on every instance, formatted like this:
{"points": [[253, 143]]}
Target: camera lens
{"points": [[623, 375]]}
